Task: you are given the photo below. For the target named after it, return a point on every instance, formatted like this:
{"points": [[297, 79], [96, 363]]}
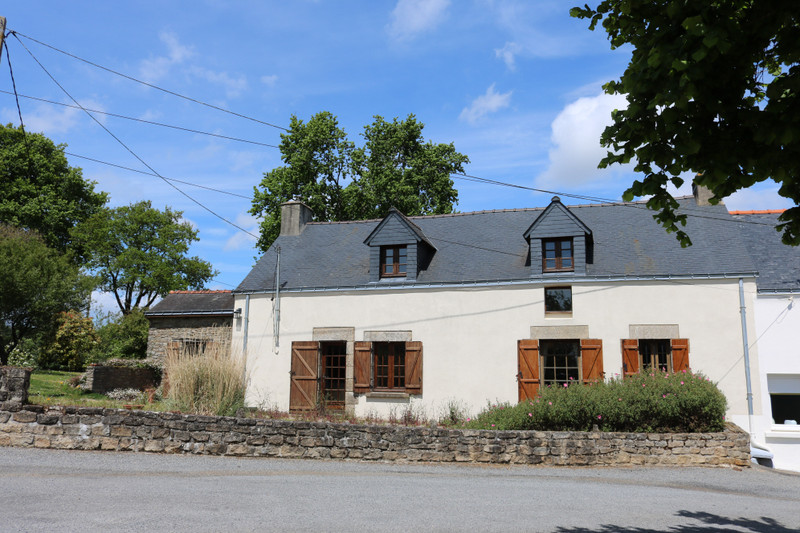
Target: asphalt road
{"points": [[49, 490]]}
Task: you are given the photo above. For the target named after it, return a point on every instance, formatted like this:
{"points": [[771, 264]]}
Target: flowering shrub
{"points": [[647, 402]]}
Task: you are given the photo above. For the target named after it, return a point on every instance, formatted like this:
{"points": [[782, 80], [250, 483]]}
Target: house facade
{"points": [[415, 313], [777, 327]]}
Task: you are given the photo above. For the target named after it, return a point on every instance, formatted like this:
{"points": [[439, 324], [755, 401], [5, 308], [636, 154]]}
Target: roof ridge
{"points": [[201, 292], [759, 212]]}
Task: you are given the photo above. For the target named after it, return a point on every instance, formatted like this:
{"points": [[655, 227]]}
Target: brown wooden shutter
{"points": [[414, 367], [174, 348], [304, 383], [680, 355], [528, 368], [592, 360], [630, 357], [361, 366]]}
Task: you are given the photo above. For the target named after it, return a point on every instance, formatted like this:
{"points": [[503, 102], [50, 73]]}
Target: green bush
{"points": [[122, 337], [74, 340], [648, 402]]}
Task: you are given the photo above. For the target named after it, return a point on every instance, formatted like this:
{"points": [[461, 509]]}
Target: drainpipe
{"points": [[757, 450], [277, 307]]}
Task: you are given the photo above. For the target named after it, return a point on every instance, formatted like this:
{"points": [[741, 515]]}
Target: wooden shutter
{"points": [[528, 368], [174, 348], [414, 367], [630, 357], [362, 362], [592, 360], [680, 355], [304, 382]]}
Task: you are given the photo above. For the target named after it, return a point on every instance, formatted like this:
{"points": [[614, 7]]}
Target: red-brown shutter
{"points": [[630, 357], [304, 374], [361, 366], [680, 355], [528, 368], [414, 367], [592, 360]]}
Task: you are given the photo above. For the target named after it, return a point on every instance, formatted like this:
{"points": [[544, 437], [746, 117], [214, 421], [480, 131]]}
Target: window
{"points": [[390, 365], [557, 255], [393, 261], [785, 408], [656, 354], [387, 367], [561, 362], [558, 300]]}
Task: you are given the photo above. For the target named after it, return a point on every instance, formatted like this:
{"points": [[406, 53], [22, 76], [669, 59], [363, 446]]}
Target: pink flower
{"points": [[566, 384], [549, 403], [599, 417], [468, 419], [619, 399], [663, 395], [681, 382], [530, 414], [492, 425], [642, 384]]}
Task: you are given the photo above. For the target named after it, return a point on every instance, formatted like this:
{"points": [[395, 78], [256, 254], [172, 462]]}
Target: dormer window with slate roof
{"points": [[398, 249], [558, 242]]}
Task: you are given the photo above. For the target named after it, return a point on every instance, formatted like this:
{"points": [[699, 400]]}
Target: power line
{"points": [[158, 176], [134, 154], [151, 122], [131, 78]]}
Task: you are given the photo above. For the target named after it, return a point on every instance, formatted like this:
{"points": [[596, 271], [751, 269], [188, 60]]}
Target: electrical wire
{"points": [[151, 122], [134, 154], [131, 78]]}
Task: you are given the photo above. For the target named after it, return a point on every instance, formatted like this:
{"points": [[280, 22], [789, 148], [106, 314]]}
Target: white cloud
{"points": [[508, 54], [103, 303], [241, 240], [576, 149], [269, 81], [412, 17], [757, 197], [234, 86], [156, 68], [52, 120], [486, 103]]}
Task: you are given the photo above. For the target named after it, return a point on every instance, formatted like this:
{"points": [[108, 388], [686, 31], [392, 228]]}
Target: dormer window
{"points": [[557, 255], [393, 261]]}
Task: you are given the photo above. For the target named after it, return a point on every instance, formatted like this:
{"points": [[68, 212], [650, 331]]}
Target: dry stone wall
{"points": [[14, 383], [101, 378], [121, 430]]}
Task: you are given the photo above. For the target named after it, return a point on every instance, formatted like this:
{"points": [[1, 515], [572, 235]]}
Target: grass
{"points": [[51, 387]]}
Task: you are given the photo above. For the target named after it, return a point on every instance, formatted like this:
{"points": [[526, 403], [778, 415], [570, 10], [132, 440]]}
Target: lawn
{"points": [[50, 387]]}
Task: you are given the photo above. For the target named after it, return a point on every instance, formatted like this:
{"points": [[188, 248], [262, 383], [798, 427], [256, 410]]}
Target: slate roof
{"points": [[488, 246], [193, 303], [778, 265]]}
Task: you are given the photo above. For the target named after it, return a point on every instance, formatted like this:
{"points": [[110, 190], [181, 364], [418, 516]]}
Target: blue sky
{"points": [[515, 85]]}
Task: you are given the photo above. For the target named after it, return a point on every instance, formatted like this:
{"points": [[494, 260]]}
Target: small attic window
{"points": [[393, 261], [557, 255]]}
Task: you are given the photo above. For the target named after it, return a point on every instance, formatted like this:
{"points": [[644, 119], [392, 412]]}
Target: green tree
{"points": [[139, 253], [713, 88], [40, 190], [123, 336], [394, 167], [36, 283]]}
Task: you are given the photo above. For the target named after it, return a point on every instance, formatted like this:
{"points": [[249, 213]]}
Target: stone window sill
{"points": [[388, 395]]}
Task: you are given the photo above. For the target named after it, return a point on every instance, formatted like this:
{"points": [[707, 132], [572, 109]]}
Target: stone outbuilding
{"points": [[191, 322]]}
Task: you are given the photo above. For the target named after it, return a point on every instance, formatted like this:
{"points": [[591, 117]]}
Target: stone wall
{"points": [[14, 383], [164, 330], [100, 378], [121, 430]]}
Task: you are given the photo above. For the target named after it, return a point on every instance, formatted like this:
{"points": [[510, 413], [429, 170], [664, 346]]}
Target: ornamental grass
{"points": [[661, 402], [208, 381]]}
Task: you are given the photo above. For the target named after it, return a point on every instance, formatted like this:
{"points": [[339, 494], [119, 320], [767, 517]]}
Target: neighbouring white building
{"points": [[777, 337], [378, 316]]}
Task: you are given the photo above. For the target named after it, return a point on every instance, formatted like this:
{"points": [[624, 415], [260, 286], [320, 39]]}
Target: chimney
{"points": [[702, 194], [294, 217]]}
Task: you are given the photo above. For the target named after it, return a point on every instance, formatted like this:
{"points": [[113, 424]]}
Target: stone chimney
{"points": [[294, 217], [702, 194]]}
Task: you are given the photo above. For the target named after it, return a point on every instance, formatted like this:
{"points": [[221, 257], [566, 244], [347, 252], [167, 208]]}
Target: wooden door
{"points": [[528, 368], [304, 383]]}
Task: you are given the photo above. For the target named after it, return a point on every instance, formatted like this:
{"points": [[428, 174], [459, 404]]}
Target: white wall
{"points": [[470, 335], [777, 319]]}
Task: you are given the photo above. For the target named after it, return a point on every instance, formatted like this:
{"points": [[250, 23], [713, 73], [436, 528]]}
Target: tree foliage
{"points": [[123, 336], [40, 190], [339, 181], [139, 253], [713, 89], [36, 283], [75, 340]]}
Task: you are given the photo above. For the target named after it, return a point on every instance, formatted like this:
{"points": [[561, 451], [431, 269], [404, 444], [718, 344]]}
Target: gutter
{"points": [[543, 281], [188, 313]]}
